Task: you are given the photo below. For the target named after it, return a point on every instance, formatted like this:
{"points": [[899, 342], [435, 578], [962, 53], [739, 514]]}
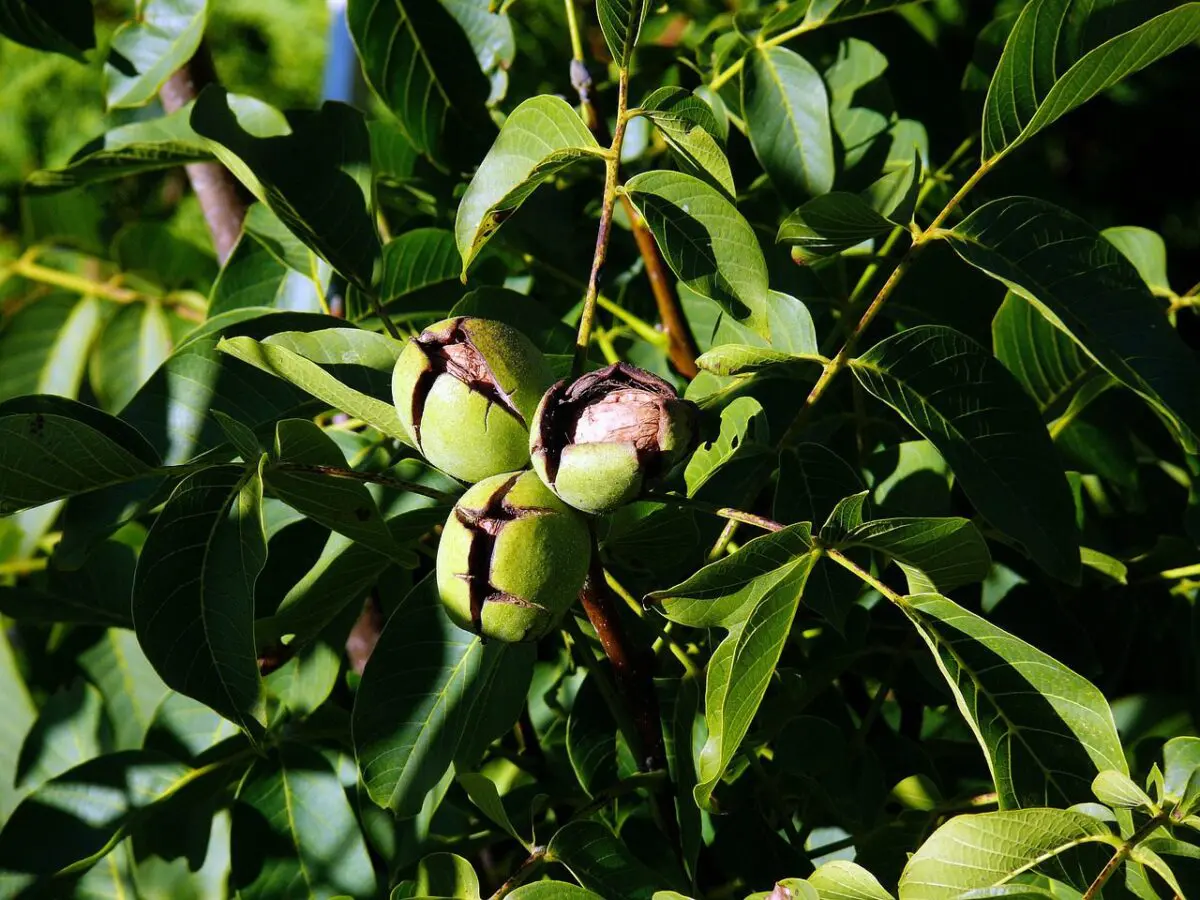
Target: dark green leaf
{"points": [[812, 479], [313, 171], [425, 698], [418, 259], [44, 346], [1044, 730], [592, 738], [1085, 286], [193, 596], [1062, 53], [415, 57], [341, 504], [131, 689], [693, 133], [86, 809], [18, 714], [787, 116], [971, 409], [63, 27], [145, 146], [741, 446], [621, 21], [134, 343], [847, 515], [540, 137], [935, 554], [296, 833], [54, 447], [151, 47], [66, 734], [707, 243], [1049, 365], [601, 862], [483, 793]]}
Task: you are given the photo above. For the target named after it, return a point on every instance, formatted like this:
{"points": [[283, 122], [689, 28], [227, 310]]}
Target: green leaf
{"points": [[553, 890], [601, 862], [935, 554], [187, 728], [592, 738], [742, 359], [1044, 730], [812, 479], [44, 346], [65, 734], [742, 438], [145, 146], [417, 259], [64, 27], [173, 409], [445, 875], [18, 714], [621, 22], [1116, 789], [969, 853], [54, 447], [837, 221], [707, 243], [150, 48], [787, 118], [87, 809], [297, 833], [826, 12], [1047, 362], [341, 504], [483, 793], [1061, 53], [691, 130], [847, 515], [306, 680], [193, 595], [540, 138], [422, 694], [313, 171], [723, 592], [131, 689], [841, 879], [1146, 250], [134, 343], [1087, 288], [971, 409], [308, 376], [742, 666], [1181, 760], [96, 593], [415, 57]]}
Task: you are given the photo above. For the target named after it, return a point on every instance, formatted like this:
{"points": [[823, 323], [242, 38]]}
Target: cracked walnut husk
{"points": [[599, 441], [512, 558], [465, 390]]}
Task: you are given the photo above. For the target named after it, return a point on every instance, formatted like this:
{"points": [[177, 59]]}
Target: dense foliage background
{"points": [[980, 650]]}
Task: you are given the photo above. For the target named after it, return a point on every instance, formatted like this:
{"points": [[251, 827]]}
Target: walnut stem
{"points": [[633, 671], [222, 205]]}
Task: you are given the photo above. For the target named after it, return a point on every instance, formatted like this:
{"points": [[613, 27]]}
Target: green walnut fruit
{"points": [[512, 558], [466, 390], [598, 441]]}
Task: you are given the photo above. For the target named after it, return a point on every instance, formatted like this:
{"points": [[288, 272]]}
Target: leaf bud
{"points": [[598, 441]]}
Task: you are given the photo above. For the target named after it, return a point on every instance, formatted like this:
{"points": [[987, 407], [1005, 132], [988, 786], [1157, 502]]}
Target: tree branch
{"points": [[633, 671], [217, 190]]}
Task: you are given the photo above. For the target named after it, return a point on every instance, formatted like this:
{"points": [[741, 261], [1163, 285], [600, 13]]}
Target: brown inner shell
{"points": [[453, 353], [485, 526], [616, 404]]}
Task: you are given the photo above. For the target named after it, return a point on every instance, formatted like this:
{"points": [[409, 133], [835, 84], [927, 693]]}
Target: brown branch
{"points": [[633, 671], [216, 189], [681, 346]]}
